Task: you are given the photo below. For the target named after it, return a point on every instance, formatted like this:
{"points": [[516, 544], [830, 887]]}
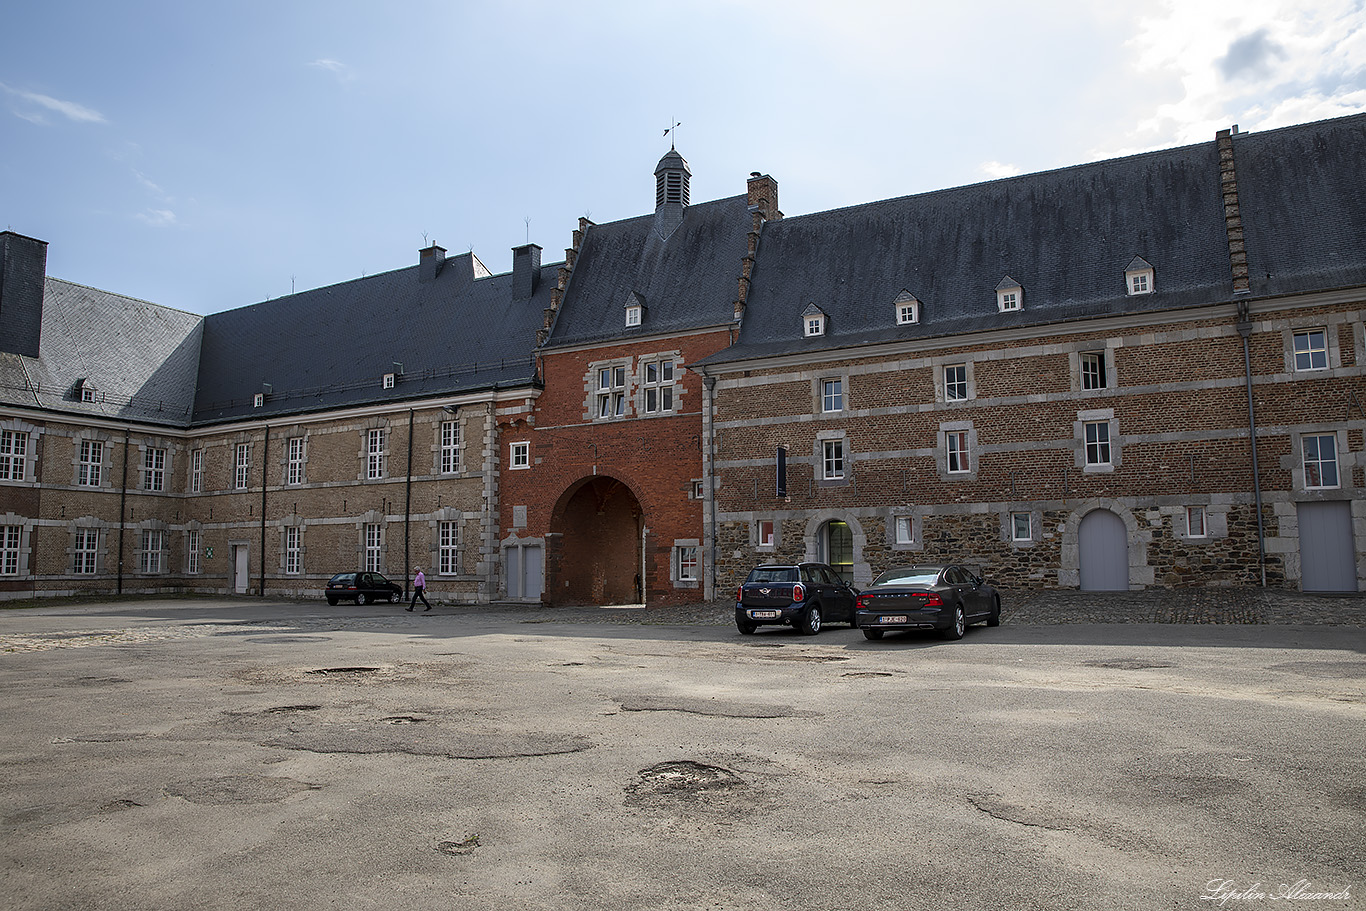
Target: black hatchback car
{"points": [[362, 588], [943, 598], [800, 595]]}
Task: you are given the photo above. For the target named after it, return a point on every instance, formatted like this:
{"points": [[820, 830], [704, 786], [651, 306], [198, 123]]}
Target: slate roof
{"points": [[687, 282], [1065, 236], [1302, 191], [330, 347], [141, 358]]}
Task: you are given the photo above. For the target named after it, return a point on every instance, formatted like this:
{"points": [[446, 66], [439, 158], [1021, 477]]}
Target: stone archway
{"points": [[1137, 538], [598, 523], [848, 533]]}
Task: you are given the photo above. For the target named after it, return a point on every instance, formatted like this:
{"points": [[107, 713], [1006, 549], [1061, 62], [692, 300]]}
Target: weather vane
{"points": [[673, 129]]}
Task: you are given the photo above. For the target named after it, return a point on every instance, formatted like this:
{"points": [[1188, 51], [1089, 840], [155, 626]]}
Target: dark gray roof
{"points": [[330, 347], [1065, 236], [687, 282], [1303, 198], [141, 358]]}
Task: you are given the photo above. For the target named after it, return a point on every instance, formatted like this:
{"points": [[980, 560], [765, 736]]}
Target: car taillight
{"points": [[864, 601], [740, 593], [933, 601], [798, 593]]}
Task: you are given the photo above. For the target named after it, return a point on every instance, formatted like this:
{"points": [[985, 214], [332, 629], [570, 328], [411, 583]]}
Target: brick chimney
{"points": [[23, 273], [429, 262], [526, 271], [763, 194]]}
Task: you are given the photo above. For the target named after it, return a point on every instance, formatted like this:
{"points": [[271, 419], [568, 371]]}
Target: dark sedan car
{"points": [[362, 588], [800, 595], [943, 598]]}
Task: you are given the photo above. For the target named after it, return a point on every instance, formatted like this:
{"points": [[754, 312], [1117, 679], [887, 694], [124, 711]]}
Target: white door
{"points": [[1104, 545], [533, 572], [239, 575], [1328, 560]]}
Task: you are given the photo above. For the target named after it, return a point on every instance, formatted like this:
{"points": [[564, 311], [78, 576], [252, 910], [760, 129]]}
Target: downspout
{"points": [[1245, 330], [407, 504], [265, 477], [123, 502], [708, 493]]}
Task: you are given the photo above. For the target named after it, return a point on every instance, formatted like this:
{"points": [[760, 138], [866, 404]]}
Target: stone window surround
{"points": [[1008, 526], [917, 517], [88, 523], [592, 390], [297, 432], [676, 384], [818, 393], [675, 568], [30, 459], [1330, 333], [373, 517], [380, 424], [1095, 416], [1348, 461], [193, 527], [1106, 347], [433, 560], [818, 459], [164, 551], [754, 534], [91, 435], [941, 452], [26, 527], [970, 376], [286, 524]]}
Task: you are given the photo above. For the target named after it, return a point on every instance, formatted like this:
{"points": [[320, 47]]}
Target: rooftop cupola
{"points": [[671, 192]]}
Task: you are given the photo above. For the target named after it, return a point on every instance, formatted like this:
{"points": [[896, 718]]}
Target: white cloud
{"points": [[157, 218], [343, 72], [69, 109], [996, 169]]}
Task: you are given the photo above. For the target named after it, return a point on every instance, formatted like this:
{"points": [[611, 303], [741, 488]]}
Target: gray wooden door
{"points": [[533, 572], [1104, 545], [1328, 560]]}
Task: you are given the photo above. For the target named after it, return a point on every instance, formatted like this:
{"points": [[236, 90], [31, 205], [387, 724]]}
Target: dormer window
{"points": [[1009, 295], [1138, 276], [632, 316], [85, 390], [907, 309], [258, 400], [813, 321], [388, 381], [635, 309]]}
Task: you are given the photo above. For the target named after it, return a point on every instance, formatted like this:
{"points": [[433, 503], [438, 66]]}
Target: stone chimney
{"points": [[23, 273], [429, 262], [763, 195], [526, 271]]}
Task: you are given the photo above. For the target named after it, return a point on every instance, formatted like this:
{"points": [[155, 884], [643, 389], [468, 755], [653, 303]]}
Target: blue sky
{"points": [[211, 156]]}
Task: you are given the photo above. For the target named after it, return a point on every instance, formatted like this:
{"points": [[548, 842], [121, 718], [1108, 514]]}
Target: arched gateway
{"points": [[597, 557]]}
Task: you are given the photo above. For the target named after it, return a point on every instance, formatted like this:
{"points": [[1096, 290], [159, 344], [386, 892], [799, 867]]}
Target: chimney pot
{"points": [[429, 262]]}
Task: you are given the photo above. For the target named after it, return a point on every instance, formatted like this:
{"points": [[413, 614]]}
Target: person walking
{"points": [[419, 591]]}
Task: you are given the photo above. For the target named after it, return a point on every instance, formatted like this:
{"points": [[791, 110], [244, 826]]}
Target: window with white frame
{"points": [[1021, 526], [450, 447], [294, 466], [196, 471], [1097, 442], [1320, 460], [192, 539], [833, 459], [87, 392], [149, 560], [611, 394], [1311, 350], [92, 461], [1009, 295], [154, 469], [832, 395], [258, 400], [907, 309], [448, 551], [686, 559], [1195, 522], [242, 466], [10, 536], [374, 547], [659, 385], [519, 455], [86, 550], [388, 381], [955, 382], [1093, 370], [905, 530], [376, 453], [633, 316], [293, 549], [13, 454], [764, 533], [1140, 281], [813, 324], [956, 448]]}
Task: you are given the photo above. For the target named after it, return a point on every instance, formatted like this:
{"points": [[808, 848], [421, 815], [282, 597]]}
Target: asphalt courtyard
{"points": [[1198, 750]]}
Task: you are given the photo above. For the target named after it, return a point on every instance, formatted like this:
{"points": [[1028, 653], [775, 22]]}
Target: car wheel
{"points": [[995, 618], [809, 624], [361, 598], [332, 601], [959, 624], [395, 597], [746, 628], [874, 634]]}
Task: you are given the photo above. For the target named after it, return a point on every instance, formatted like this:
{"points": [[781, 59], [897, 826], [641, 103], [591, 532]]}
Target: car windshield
{"points": [[773, 574], [907, 577]]}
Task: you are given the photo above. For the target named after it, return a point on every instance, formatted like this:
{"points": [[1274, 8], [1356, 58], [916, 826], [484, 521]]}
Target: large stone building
{"points": [[1138, 372]]}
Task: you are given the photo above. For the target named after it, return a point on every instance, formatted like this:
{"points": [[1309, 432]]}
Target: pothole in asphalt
{"points": [[289, 709], [342, 671], [683, 781], [816, 658], [867, 674], [287, 640], [459, 848], [1129, 664], [228, 790], [403, 719]]}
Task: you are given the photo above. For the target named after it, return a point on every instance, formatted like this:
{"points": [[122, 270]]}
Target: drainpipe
{"points": [[1245, 330], [708, 494], [123, 503], [407, 504], [265, 477]]}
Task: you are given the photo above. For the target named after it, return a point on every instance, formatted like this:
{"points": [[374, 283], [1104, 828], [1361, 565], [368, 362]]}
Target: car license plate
{"points": [[898, 618], [763, 615]]}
